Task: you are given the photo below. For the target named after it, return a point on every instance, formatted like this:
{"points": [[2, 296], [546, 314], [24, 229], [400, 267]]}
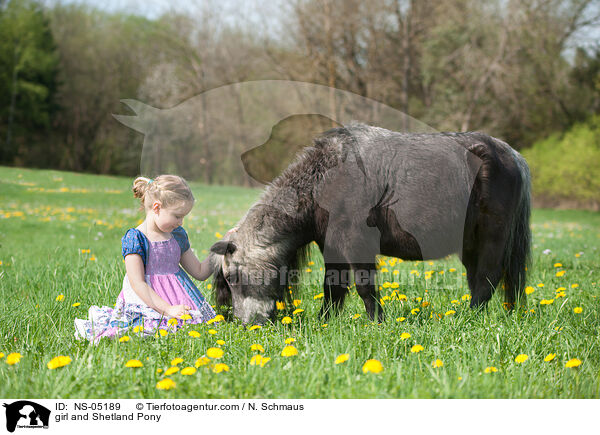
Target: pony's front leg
{"points": [[335, 287], [364, 278]]}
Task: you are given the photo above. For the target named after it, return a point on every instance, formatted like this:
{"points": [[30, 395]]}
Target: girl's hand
{"points": [[177, 310]]}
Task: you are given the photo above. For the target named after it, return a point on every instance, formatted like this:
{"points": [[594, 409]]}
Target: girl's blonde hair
{"points": [[168, 189]]}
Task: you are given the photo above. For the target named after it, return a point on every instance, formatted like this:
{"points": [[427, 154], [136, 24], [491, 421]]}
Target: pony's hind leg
{"points": [[335, 286], [364, 278], [484, 272]]}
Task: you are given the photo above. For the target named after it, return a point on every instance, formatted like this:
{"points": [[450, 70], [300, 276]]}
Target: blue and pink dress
{"points": [[165, 276]]}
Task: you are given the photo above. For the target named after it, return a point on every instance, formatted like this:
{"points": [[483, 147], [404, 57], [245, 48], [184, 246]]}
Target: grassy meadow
{"points": [[60, 253]]}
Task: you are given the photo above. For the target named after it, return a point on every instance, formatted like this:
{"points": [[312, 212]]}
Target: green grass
{"points": [[43, 230]]}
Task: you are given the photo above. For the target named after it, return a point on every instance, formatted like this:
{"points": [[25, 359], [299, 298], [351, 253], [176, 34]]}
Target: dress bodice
{"points": [[163, 257]]}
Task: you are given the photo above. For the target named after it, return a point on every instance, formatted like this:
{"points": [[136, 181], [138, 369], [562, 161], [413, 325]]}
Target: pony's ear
{"points": [[223, 247]]}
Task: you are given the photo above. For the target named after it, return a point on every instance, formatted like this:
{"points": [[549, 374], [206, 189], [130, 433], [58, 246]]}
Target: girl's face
{"points": [[169, 218]]}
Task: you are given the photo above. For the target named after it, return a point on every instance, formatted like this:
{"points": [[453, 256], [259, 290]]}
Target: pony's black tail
{"points": [[517, 251]]}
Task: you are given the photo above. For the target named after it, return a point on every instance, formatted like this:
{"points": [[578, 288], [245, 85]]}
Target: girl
{"points": [[155, 288]]}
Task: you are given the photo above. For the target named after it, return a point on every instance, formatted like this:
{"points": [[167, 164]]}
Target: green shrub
{"points": [[564, 167]]}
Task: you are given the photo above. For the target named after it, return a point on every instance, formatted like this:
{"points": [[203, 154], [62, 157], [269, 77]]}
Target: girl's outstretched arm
{"points": [[135, 273], [199, 270]]}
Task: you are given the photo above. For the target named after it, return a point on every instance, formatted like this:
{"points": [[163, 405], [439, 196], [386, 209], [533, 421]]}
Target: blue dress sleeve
{"points": [[134, 242], [182, 238]]}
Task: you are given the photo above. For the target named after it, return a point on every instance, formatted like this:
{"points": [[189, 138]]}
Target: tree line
{"points": [[518, 70]]}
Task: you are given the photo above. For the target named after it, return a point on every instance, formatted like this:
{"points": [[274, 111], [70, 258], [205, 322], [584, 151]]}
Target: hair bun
{"points": [[140, 186]]}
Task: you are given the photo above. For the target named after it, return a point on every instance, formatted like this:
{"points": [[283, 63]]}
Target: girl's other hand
{"points": [[178, 310]]}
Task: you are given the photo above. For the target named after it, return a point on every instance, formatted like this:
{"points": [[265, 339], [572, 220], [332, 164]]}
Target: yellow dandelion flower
{"points": [[176, 361], [259, 360], [541, 284], [188, 371], [218, 235], [186, 317], [217, 318], [437, 363], [557, 265], [13, 358], [202, 361], [404, 336], [208, 286], [561, 295], [573, 363], [342, 358], [214, 352], [319, 296], [490, 370], [417, 348], [60, 298], [138, 329], [452, 269], [172, 322], [134, 363], [414, 311], [521, 358], [220, 342], [372, 366], [124, 339], [1, 355], [290, 340], [280, 305], [356, 316], [466, 297], [165, 384], [560, 273], [400, 319], [253, 327], [161, 333], [257, 347], [449, 312], [212, 331], [574, 285], [324, 325], [171, 370], [286, 320], [298, 311], [529, 290], [550, 357], [76, 304], [289, 351], [59, 361], [577, 310], [194, 334], [220, 367], [297, 302], [546, 301]]}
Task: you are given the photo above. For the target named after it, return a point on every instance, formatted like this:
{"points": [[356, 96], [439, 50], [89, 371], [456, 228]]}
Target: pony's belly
{"points": [[408, 250]]}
